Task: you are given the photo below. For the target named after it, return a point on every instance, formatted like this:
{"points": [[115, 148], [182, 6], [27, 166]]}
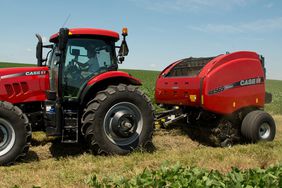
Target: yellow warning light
{"points": [[257, 100], [70, 33], [202, 99], [234, 104], [124, 31], [193, 98]]}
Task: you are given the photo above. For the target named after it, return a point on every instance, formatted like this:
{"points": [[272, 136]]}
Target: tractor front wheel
{"points": [[15, 133], [118, 120]]}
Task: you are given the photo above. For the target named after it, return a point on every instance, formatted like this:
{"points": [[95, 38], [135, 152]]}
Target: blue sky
{"points": [[160, 31]]}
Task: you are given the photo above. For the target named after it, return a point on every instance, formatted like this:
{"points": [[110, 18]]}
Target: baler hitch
{"points": [[165, 118]]}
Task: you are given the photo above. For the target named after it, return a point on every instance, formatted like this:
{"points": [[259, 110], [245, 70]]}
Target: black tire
{"points": [[15, 134], [118, 120], [258, 126]]}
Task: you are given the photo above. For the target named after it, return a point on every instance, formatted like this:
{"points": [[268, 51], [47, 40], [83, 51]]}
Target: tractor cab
{"points": [[82, 58], [76, 57]]}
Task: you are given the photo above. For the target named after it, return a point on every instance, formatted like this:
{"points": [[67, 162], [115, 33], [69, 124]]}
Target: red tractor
{"points": [[75, 93], [224, 95]]}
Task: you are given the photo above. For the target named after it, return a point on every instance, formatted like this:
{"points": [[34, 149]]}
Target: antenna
{"points": [[66, 21]]}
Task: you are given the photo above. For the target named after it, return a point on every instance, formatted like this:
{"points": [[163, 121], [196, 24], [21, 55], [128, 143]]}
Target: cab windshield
{"points": [[86, 58]]}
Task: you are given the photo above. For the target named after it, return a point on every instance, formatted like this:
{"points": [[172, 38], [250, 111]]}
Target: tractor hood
{"points": [[24, 84]]}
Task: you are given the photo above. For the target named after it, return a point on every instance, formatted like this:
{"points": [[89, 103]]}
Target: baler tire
{"points": [[258, 126], [15, 134], [105, 116]]}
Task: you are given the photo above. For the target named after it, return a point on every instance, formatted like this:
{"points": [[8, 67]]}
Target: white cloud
{"points": [[269, 5], [190, 5], [217, 28], [264, 25]]}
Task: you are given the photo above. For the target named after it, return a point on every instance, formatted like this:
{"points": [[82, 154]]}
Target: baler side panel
{"points": [[234, 85], [178, 91], [21, 85]]}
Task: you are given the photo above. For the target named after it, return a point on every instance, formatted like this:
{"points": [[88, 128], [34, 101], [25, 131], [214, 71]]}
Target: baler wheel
{"points": [[15, 133], [118, 120], [258, 126]]}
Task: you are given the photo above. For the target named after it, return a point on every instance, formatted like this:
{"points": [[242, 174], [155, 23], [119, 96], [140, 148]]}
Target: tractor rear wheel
{"points": [[15, 133], [258, 126], [118, 120]]}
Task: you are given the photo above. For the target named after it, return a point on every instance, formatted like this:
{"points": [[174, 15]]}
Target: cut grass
{"points": [[52, 164]]}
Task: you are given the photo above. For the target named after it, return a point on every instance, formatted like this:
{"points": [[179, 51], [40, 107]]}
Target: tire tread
{"points": [[250, 123], [93, 106], [28, 132]]}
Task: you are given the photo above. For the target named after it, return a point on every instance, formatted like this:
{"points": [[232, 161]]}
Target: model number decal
{"points": [[217, 90], [241, 83]]}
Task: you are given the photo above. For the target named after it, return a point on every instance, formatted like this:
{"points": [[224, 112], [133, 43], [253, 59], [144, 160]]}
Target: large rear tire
{"points": [[15, 133], [118, 120], [258, 126]]}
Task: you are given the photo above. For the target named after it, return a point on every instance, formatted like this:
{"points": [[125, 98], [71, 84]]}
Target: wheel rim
{"points": [[264, 131], [123, 123], [7, 137]]}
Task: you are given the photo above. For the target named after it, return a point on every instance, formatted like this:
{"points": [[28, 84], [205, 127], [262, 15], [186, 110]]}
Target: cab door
{"points": [[53, 65]]}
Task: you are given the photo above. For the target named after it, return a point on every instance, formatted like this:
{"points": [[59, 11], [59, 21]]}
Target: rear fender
{"points": [[102, 81]]}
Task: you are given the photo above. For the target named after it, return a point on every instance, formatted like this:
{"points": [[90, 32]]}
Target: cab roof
{"points": [[88, 31]]}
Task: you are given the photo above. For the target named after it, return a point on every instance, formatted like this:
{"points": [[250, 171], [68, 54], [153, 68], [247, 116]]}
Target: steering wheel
{"points": [[74, 70]]}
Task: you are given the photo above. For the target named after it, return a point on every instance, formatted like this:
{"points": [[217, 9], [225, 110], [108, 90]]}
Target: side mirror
{"points": [[39, 50], [63, 38], [123, 50]]}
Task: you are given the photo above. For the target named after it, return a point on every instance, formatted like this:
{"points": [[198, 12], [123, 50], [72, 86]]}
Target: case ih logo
{"points": [[241, 83], [32, 73], [252, 81]]}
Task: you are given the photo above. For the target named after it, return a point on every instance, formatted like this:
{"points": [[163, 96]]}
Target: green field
{"points": [[7, 65], [274, 87], [51, 164]]}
